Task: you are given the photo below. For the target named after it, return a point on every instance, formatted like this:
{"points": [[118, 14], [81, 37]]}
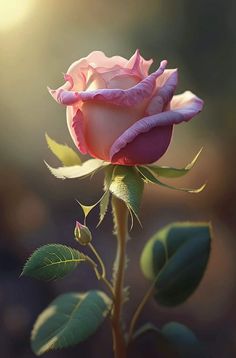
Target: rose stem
{"points": [[120, 215]]}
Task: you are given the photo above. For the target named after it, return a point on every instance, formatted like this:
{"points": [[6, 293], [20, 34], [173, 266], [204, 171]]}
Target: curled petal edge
{"points": [[127, 98], [188, 110]]}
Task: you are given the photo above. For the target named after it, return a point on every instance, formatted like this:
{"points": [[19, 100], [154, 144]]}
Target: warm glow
{"points": [[13, 11]]}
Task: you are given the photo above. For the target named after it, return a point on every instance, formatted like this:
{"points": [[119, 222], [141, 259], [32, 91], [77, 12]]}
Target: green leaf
{"points": [[70, 319], [168, 172], [173, 340], [175, 258], [64, 153], [127, 185], [77, 171], [52, 261], [183, 340], [149, 177]]}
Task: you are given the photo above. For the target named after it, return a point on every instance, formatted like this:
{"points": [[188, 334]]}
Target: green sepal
{"points": [[78, 171], [52, 261], [175, 259], [88, 208], [127, 185], [106, 196], [70, 319], [169, 172], [103, 201], [149, 177], [65, 154]]}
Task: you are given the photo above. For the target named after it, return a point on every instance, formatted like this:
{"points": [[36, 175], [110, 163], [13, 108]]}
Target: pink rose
{"points": [[118, 113]]}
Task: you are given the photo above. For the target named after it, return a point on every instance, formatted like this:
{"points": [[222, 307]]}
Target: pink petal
{"points": [[187, 102], [166, 85], [138, 65], [75, 123], [183, 108], [67, 98], [101, 60], [95, 59], [146, 148], [123, 81], [94, 79], [127, 98]]}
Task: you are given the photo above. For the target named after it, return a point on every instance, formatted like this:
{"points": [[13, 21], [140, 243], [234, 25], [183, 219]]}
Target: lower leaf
{"points": [[173, 340], [70, 319], [183, 340]]}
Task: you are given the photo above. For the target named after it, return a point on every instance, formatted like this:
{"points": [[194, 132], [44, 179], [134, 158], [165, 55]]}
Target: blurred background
{"points": [[39, 40]]}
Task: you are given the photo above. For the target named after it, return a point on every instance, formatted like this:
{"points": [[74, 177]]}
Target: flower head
{"points": [[119, 113]]}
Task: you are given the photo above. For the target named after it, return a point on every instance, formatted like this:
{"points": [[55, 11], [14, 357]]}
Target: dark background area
{"points": [[39, 40]]}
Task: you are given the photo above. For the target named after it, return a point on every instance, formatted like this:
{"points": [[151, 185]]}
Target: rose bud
{"points": [[118, 113], [82, 234]]}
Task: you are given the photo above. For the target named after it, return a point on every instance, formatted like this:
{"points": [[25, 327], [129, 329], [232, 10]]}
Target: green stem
{"points": [[139, 309], [120, 215], [101, 276]]}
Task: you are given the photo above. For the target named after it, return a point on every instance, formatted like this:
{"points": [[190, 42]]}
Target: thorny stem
{"points": [[120, 215]]}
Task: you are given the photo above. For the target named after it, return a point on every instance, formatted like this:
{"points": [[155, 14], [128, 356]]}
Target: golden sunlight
{"points": [[13, 11]]}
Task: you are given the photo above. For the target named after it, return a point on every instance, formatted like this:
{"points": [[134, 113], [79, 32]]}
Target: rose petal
{"points": [[183, 108], [138, 65], [188, 101], [127, 98], [166, 85], [104, 123], [123, 81], [101, 60], [94, 80], [78, 69], [75, 123], [146, 148], [67, 98]]}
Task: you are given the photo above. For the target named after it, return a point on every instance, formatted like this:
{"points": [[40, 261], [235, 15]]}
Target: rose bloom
{"points": [[119, 113]]}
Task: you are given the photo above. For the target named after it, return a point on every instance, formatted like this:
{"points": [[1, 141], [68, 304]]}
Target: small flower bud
{"points": [[82, 234]]}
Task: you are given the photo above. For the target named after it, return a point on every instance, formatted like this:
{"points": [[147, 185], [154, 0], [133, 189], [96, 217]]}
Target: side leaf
{"points": [[77, 171], [173, 340], [149, 177], [52, 261], [70, 319], [64, 153], [127, 185], [175, 258], [183, 340], [168, 172]]}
